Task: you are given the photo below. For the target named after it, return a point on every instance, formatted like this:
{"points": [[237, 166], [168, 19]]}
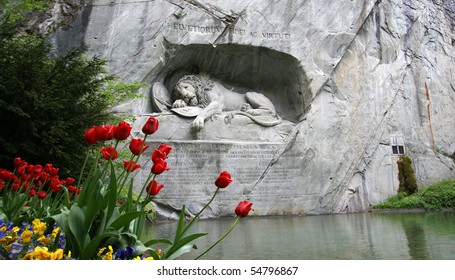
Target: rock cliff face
{"points": [[353, 80]]}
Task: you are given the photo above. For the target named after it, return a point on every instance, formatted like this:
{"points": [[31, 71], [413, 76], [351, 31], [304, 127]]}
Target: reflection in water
{"points": [[327, 237], [416, 240]]}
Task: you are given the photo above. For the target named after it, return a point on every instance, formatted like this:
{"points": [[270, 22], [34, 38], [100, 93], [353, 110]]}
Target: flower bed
{"points": [[99, 217]]}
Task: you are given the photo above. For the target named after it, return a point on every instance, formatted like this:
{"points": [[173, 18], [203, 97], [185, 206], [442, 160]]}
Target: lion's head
{"points": [[197, 84]]}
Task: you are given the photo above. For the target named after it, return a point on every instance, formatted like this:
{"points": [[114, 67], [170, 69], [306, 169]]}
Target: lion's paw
{"points": [[179, 103], [198, 123]]}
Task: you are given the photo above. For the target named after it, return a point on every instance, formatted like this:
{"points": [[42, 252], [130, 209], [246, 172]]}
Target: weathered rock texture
{"points": [[348, 76]]}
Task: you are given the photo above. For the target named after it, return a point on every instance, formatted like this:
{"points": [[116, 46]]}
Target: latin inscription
{"points": [[218, 29], [195, 167]]}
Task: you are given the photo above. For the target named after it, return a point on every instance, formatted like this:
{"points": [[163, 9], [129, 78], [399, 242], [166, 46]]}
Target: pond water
{"points": [[362, 236]]}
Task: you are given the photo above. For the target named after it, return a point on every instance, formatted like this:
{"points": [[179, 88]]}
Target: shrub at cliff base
{"points": [[435, 196], [406, 176]]}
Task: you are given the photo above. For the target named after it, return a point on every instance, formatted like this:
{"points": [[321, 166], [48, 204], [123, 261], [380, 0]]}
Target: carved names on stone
{"points": [[218, 29], [195, 165]]}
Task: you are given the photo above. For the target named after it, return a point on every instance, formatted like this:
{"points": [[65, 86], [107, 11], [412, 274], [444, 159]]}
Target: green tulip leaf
{"points": [[66, 197], [178, 231], [115, 215], [111, 194], [76, 218], [188, 239], [89, 186], [138, 225], [125, 219], [91, 249], [158, 241], [62, 219], [182, 243], [182, 250], [154, 254], [129, 201]]}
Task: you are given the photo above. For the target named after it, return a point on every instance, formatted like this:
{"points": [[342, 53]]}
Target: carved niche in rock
{"points": [[201, 97], [254, 93]]}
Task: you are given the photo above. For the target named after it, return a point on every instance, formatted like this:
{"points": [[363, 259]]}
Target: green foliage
{"points": [[47, 103], [441, 194], [406, 176], [12, 11], [435, 196], [102, 217], [115, 91], [95, 221]]}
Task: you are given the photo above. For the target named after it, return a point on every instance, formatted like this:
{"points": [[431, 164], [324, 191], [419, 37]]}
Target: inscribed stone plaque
{"points": [[195, 165]]}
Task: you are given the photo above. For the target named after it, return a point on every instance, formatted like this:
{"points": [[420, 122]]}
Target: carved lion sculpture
{"points": [[212, 97]]}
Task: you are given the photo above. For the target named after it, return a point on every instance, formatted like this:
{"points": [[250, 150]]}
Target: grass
{"points": [[435, 196]]}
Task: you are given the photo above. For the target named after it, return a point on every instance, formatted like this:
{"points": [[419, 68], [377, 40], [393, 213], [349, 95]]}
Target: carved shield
{"points": [[188, 111], [160, 98]]}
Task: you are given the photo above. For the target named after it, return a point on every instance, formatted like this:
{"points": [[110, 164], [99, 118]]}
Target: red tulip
{"points": [[90, 135], [55, 185], [159, 166], [6, 175], [18, 161], [72, 189], [109, 153], [137, 146], [153, 188], [38, 169], [110, 131], [69, 181], [223, 180], [50, 169], [31, 193], [150, 126], [122, 131], [43, 177], [157, 154], [243, 208], [165, 148], [130, 165], [103, 132], [47, 167], [42, 194], [16, 186]]}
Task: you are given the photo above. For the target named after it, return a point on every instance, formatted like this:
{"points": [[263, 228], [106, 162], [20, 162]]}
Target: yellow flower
{"points": [[45, 240], [6, 239], [101, 251], [15, 229], [108, 255], [29, 256], [41, 253], [138, 258], [57, 255], [55, 232], [39, 227], [26, 235], [3, 228]]}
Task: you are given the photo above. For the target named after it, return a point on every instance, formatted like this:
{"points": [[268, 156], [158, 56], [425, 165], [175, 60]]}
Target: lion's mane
{"points": [[202, 84]]}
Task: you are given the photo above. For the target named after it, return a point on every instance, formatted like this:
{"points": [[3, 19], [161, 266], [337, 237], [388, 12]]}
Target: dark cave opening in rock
{"points": [[242, 68]]}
